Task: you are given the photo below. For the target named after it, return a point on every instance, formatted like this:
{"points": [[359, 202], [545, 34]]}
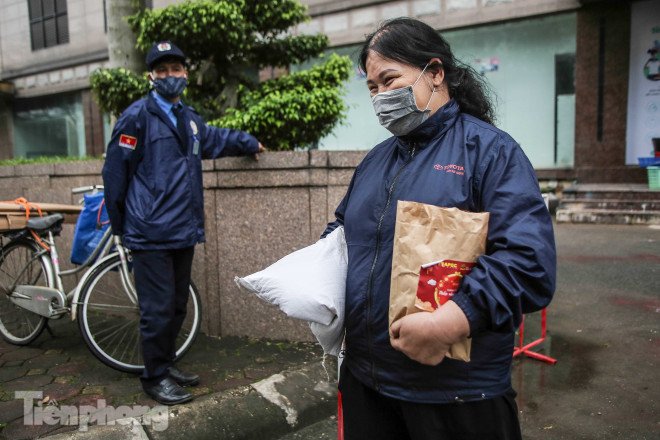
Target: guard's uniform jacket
{"points": [[153, 188], [451, 160]]}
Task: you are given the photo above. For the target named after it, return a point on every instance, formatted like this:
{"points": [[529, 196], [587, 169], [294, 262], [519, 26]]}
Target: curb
{"points": [[280, 404]]}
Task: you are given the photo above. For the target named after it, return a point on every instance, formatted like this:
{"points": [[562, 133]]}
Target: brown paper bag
{"points": [[443, 240]]}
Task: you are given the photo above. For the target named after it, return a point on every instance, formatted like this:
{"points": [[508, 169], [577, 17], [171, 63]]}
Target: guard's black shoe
{"points": [[182, 378], [167, 392]]}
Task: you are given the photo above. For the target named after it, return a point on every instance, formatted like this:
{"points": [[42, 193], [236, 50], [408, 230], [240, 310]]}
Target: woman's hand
{"points": [[426, 337]]}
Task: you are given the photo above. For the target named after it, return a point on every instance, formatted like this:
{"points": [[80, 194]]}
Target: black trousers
{"points": [[370, 415], [162, 280]]}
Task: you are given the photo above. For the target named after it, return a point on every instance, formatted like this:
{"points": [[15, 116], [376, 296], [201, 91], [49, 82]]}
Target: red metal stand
{"points": [[340, 418], [526, 349]]}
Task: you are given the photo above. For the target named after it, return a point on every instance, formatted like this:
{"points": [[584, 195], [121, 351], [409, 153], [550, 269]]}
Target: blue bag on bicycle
{"points": [[90, 227]]}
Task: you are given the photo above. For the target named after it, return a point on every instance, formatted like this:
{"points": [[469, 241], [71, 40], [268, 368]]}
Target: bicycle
{"points": [[104, 301]]}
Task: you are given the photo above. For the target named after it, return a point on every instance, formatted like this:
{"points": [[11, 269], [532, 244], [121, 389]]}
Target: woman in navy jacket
{"points": [[396, 382]]}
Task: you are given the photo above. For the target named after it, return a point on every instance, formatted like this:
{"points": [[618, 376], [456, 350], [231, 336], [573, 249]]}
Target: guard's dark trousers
{"points": [[370, 415], [162, 280]]}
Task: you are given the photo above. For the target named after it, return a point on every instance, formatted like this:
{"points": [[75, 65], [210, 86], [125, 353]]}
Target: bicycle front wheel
{"points": [[20, 263], [109, 319]]}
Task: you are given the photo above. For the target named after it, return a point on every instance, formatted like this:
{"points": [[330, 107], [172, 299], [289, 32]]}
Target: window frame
{"points": [[58, 16]]}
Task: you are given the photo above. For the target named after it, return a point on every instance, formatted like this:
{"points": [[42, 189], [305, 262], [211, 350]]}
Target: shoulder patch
{"points": [[127, 141]]}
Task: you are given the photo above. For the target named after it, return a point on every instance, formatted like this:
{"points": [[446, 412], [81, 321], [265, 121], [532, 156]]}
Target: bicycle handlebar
{"points": [[84, 189]]}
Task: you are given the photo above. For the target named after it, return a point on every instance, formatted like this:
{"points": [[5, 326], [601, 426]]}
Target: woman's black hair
{"points": [[415, 43]]}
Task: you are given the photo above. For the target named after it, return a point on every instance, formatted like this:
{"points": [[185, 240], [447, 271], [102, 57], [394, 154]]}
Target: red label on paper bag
{"points": [[439, 281]]}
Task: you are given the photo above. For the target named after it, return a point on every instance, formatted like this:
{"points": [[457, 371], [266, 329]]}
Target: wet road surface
{"points": [[603, 328]]}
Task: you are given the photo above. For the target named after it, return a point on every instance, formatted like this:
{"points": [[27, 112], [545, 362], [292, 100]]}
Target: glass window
{"points": [[49, 126], [49, 7], [530, 67], [50, 29], [37, 33], [35, 8], [63, 28], [49, 24]]}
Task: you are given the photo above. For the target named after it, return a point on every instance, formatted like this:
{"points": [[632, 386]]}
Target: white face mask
{"points": [[397, 110]]}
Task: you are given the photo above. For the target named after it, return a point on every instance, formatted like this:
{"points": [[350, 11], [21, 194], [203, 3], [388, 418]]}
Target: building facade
{"points": [[47, 51], [559, 70]]}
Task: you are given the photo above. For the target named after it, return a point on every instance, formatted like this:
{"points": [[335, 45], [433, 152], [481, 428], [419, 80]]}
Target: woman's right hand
{"points": [[426, 337]]}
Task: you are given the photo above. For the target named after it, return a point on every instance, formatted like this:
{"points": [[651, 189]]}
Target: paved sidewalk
{"points": [[603, 323], [68, 375]]}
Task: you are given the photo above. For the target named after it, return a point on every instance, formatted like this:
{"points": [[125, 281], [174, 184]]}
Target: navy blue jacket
{"points": [[156, 200], [452, 160]]}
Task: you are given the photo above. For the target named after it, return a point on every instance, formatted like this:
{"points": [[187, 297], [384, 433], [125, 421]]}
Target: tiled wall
{"points": [[601, 77]]}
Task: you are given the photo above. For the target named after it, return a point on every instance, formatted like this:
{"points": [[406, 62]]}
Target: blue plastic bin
{"points": [[649, 161]]}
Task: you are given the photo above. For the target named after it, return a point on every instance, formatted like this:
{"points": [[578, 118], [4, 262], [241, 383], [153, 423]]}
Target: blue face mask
{"points": [[170, 87]]}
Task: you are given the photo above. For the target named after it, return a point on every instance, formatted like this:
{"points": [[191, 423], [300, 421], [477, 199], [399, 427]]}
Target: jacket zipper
{"points": [[390, 191]]}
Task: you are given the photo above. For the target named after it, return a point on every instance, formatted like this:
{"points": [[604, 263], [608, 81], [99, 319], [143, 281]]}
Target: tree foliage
{"points": [[117, 88], [227, 43], [293, 110]]}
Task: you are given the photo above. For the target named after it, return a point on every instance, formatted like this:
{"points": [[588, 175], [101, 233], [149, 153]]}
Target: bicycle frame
{"points": [[102, 252], [99, 255], [129, 288]]}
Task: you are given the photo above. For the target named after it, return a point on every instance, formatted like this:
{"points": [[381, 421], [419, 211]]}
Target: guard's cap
{"points": [[161, 50]]}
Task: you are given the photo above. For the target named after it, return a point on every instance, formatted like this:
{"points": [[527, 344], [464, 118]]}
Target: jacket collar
{"points": [[163, 103], [432, 128], [155, 109]]}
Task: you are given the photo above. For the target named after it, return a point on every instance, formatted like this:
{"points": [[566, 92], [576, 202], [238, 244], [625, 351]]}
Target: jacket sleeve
{"points": [[219, 142], [116, 169], [517, 274]]}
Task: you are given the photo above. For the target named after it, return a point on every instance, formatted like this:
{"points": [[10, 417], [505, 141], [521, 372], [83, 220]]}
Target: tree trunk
{"points": [[121, 38]]}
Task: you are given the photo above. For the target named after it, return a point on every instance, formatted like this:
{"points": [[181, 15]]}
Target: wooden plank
{"points": [[15, 220], [51, 208], [11, 221]]}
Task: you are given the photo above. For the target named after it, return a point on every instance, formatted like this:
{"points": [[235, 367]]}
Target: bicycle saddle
{"points": [[44, 223]]}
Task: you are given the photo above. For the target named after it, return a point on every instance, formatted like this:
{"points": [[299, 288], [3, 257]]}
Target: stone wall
{"points": [[256, 212]]}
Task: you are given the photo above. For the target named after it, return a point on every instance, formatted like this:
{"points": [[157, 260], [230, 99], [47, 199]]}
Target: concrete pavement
{"points": [[604, 325], [249, 389], [603, 329]]}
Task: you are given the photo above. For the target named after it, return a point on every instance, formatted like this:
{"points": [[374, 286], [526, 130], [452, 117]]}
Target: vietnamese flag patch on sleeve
{"points": [[127, 141]]}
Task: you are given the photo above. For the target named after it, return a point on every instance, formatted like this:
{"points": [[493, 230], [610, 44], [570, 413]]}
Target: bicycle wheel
{"points": [[110, 321], [20, 265]]}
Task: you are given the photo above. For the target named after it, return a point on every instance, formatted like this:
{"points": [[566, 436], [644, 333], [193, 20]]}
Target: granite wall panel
{"points": [[257, 227], [256, 213]]}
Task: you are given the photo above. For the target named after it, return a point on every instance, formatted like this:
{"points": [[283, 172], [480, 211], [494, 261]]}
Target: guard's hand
{"points": [[261, 150], [426, 337]]}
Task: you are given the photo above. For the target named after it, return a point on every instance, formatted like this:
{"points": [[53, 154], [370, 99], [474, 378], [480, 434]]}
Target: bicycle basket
{"points": [[90, 227]]}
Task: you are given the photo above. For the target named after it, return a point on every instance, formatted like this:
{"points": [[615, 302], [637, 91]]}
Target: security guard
{"points": [[153, 191]]}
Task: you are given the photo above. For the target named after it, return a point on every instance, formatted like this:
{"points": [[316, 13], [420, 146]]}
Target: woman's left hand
{"points": [[426, 337]]}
